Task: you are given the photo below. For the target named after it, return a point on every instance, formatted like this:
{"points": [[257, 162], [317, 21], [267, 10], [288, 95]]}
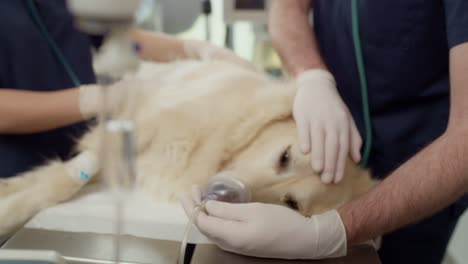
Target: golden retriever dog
{"points": [[194, 119]]}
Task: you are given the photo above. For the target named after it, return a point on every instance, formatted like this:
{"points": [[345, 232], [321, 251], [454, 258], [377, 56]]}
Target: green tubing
{"points": [[363, 81]]}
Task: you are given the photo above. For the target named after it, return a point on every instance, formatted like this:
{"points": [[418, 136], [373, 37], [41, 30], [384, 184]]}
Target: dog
{"points": [[192, 120]]}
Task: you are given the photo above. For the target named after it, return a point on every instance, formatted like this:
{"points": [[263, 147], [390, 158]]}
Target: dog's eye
{"points": [[284, 159], [291, 202]]}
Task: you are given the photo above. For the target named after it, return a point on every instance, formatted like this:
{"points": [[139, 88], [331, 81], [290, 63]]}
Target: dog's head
{"points": [[276, 171], [239, 120]]}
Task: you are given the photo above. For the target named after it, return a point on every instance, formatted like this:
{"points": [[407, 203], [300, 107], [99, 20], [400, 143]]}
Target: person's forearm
{"points": [[293, 36], [23, 112], [157, 46], [428, 182]]}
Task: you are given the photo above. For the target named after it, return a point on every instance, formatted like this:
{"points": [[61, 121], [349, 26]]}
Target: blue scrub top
{"points": [[405, 45], [28, 63]]}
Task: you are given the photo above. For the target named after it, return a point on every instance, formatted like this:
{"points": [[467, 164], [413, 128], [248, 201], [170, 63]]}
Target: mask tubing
{"points": [[188, 228]]}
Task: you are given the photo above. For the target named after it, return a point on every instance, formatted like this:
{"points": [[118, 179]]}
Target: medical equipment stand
{"points": [[113, 18], [206, 10]]}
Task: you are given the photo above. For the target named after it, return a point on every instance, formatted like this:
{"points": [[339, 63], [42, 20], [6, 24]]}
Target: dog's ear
{"points": [[267, 104]]}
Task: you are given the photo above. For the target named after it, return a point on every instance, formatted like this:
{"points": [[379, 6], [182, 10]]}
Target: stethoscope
{"points": [[357, 48], [52, 44], [363, 82]]}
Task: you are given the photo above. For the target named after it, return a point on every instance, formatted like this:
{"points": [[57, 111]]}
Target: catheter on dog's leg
{"points": [[26, 194]]}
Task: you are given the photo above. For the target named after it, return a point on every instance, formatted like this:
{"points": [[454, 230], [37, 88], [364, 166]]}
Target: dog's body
{"points": [[193, 120]]}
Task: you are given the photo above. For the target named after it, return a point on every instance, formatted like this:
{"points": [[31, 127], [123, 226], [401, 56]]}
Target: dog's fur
{"points": [[194, 119]]}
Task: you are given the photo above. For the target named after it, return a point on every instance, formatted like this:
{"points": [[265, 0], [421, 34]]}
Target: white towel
{"points": [[93, 211]]}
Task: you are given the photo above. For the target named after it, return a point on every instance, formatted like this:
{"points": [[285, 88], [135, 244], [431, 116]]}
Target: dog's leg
{"points": [[28, 193], [22, 181], [11, 185]]}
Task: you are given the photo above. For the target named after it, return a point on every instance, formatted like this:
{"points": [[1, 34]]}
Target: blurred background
{"points": [[239, 25]]}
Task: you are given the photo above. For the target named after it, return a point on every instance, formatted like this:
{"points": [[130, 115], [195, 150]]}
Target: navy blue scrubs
{"points": [[28, 63], [405, 46]]}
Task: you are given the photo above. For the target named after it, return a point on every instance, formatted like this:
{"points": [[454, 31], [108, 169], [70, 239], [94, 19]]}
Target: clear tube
{"points": [[117, 143], [188, 228], [118, 171], [224, 187]]}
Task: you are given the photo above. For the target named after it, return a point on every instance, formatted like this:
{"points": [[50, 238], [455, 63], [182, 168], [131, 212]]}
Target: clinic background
{"points": [[185, 19], [250, 41]]}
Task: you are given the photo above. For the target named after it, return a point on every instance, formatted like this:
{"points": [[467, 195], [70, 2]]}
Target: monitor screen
{"points": [[250, 4]]}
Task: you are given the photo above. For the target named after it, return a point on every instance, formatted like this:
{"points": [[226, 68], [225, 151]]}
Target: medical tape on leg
{"points": [[83, 167]]}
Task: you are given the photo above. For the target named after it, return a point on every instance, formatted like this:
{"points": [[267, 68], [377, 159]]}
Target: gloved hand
{"points": [[200, 50], [266, 230], [326, 128], [90, 100]]}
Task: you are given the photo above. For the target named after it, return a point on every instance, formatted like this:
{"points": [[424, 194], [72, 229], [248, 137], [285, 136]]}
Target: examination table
{"points": [[82, 248], [81, 230]]}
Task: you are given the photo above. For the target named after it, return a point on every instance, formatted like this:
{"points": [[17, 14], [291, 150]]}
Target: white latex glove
{"points": [[201, 50], [270, 231], [326, 128], [90, 97]]}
